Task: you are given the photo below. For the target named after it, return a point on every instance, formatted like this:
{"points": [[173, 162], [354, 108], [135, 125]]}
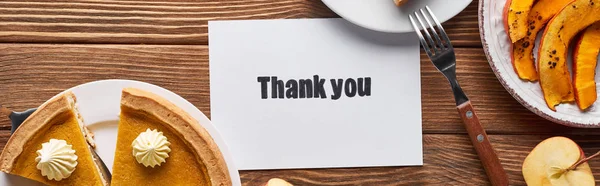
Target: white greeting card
{"points": [[315, 93]]}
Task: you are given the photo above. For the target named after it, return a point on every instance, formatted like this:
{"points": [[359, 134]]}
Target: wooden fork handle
{"points": [[487, 155]]}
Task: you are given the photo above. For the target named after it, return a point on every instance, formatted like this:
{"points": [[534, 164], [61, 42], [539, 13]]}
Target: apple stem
{"points": [[583, 161]]}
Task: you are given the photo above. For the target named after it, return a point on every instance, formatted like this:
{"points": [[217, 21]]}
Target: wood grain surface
{"points": [[49, 46], [32, 73], [164, 22], [448, 160]]}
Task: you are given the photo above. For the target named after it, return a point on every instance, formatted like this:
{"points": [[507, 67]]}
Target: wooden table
{"points": [[48, 47]]}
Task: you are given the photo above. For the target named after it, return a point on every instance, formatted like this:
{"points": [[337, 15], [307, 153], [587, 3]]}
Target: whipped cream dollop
{"points": [[56, 159], [151, 148]]}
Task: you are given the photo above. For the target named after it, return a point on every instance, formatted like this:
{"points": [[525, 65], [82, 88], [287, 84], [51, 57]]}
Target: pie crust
{"points": [[188, 128]]}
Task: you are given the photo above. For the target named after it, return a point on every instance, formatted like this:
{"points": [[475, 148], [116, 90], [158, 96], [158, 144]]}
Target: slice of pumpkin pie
{"points": [[52, 146], [160, 144]]}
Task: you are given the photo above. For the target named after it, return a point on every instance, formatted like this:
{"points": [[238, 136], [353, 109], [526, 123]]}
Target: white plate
{"points": [[497, 48], [385, 16], [99, 104]]}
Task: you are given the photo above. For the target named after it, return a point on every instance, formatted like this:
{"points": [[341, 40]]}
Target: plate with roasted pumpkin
{"points": [[545, 53]]}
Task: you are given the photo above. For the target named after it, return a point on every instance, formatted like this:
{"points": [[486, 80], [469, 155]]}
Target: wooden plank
{"points": [[32, 73], [163, 21], [448, 160]]}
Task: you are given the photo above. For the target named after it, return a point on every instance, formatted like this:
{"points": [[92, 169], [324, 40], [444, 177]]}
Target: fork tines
{"points": [[430, 45]]}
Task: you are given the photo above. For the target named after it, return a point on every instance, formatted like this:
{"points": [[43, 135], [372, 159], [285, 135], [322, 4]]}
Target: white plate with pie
{"points": [[99, 105], [385, 16]]}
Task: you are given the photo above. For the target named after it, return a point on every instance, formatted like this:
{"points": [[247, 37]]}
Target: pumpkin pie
{"points": [[160, 144], [51, 147]]}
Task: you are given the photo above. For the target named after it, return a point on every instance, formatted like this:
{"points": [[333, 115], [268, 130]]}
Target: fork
{"points": [[442, 56]]}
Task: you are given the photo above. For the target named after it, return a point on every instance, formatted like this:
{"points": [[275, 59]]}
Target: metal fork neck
{"points": [[459, 96]]}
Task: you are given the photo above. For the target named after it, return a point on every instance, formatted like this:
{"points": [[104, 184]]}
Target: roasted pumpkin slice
{"points": [[555, 79], [515, 18], [522, 50], [585, 58]]}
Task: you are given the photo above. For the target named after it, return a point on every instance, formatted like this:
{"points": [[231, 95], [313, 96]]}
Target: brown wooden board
{"points": [[448, 160], [165, 22], [32, 73], [49, 46]]}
